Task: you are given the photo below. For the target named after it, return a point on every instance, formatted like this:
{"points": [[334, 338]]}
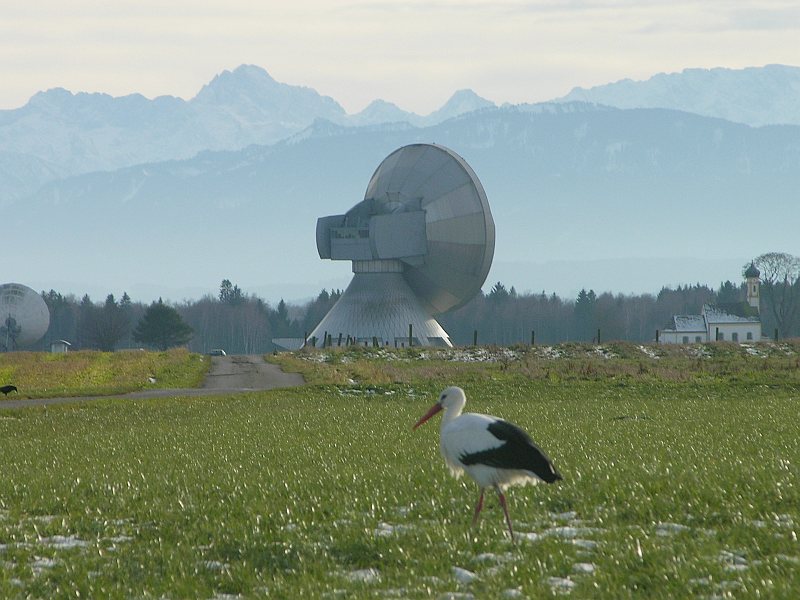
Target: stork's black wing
{"points": [[517, 452]]}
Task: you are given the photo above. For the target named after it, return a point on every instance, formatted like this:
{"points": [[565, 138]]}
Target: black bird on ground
{"points": [[8, 388]]}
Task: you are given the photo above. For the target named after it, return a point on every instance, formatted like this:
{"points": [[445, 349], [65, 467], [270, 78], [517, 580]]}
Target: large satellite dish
{"points": [[421, 243], [24, 317]]}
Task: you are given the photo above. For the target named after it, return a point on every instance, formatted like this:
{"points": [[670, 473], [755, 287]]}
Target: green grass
{"points": [[90, 373], [682, 487]]}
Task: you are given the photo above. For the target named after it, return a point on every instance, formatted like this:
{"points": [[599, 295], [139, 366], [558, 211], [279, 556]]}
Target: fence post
{"points": [[340, 340], [656, 336], [776, 334], [533, 337], [410, 334], [716, 335], [475, 337], [598, 335]]}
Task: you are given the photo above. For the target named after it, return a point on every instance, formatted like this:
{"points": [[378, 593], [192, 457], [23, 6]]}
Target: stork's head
{"points": [[452, 398]]}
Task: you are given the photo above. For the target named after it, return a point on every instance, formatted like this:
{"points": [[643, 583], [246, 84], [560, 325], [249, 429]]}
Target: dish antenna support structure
{"points": [[421, 243]]}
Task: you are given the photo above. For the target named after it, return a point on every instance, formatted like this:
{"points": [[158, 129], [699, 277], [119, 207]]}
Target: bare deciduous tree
{"points": [[780, 285]]}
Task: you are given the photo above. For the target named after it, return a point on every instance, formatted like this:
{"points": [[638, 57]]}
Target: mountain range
{"points": [[59, 134], [582, 194], [768, 95]]}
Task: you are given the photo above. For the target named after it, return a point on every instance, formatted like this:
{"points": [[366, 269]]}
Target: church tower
{"points": [[752, 275]]}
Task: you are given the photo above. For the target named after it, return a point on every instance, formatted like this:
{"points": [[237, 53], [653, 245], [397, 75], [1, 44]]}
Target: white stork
{"points": [[492, 451]]}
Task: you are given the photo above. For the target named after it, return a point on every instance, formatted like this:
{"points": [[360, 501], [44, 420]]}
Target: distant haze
{"points": [[167, 197]]}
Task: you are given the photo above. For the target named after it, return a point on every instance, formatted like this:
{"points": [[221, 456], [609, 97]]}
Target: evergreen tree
{"points": [[584, 314], [161, 326], [499, 293], [229, 293], [729, 293], [109, 326]]}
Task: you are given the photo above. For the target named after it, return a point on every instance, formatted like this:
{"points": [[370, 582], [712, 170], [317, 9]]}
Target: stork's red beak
{"points": [[434, 409]]}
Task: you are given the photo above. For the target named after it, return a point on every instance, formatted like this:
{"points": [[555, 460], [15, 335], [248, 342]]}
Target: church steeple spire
{"points": [[752, 275]]}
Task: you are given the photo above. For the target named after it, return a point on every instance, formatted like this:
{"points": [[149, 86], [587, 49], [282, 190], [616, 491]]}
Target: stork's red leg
{"points": [[478, 508], [505, 510]]}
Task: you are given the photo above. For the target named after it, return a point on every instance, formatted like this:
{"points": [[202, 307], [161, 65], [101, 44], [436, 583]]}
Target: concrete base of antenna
{"points": [[377, 307]]}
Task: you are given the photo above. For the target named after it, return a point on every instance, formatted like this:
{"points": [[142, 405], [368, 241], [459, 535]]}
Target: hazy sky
{"points": [[414, 53]]}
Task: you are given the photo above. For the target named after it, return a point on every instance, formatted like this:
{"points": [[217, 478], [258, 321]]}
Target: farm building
{"points": [[734, 322]]}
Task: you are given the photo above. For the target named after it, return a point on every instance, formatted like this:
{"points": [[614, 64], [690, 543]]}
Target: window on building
{"points": [[755, 289], [749, 335], [686, 339], [697, 339], [720, 336], [734, 337]]}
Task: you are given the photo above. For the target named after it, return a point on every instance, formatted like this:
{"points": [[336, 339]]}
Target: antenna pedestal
{"points": [[380, 304]]}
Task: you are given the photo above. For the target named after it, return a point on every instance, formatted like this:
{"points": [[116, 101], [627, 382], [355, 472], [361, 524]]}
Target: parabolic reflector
{"points": [[458, 223], [421, 242], [24, 316]]}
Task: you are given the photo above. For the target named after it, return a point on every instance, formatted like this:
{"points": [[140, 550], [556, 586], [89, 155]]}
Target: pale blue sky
{"points": [[414, 53]]}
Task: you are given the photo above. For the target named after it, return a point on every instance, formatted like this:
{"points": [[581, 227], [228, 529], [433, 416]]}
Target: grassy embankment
{"points": [[681, 480], [89, 373]]}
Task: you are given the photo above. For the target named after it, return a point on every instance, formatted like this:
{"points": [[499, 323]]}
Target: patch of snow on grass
{"points": [[43, 562], [752, 351], [479, 355], [316, 357], [603, 352], [649, 352], [364, 575], [698, 351], [550, 352], [569, 532], [665, 529], [495, 558], [583, 568], [560, 585], [464, 576], [117, 539], [63, 542], [565, 516], [733, 561], [386, 529], [787, 558]]}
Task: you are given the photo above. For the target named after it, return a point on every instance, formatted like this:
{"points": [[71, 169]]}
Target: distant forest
{"points": [[241, 323]]}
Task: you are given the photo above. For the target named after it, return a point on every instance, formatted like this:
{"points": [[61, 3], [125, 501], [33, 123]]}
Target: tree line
{"points": [[242, 323]]}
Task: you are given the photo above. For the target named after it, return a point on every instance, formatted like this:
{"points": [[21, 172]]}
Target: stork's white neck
{"points": [[452, 411]]}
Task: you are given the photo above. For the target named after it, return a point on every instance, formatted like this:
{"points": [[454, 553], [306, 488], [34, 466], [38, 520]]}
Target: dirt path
{"points": [[228, 375], [244, 373]]}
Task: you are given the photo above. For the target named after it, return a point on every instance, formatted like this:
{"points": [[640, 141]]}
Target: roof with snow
{"points": [[687, 323], [719, 314]]}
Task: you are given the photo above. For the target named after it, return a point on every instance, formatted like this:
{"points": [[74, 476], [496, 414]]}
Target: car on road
{"points": [[217, 352]]}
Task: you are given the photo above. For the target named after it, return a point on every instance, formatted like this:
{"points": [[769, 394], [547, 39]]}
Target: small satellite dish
{"points": [[24, 317], [421, 243]]}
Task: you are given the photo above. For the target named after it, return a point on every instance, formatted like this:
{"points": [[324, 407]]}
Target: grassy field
{"points": [[680, 480], [90, 373]]}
